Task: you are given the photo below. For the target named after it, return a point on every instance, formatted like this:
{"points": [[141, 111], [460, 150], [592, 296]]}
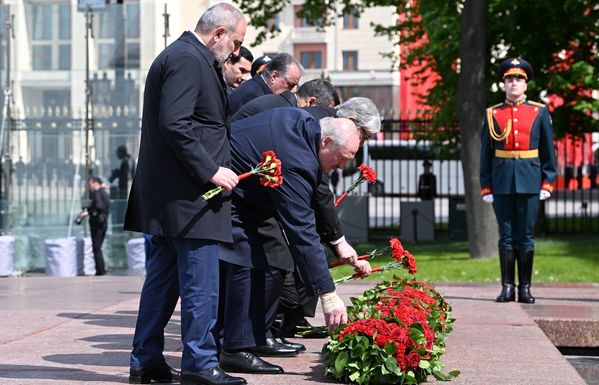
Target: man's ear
{"points": [[326, 141], [219, 33], [311, 101]]}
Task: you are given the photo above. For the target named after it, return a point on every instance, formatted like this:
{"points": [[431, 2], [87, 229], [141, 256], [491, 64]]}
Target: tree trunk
{"points": [[480, 218]]}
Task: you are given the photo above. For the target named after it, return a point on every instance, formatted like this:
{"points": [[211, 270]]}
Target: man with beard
{"points": [[184, 152]]}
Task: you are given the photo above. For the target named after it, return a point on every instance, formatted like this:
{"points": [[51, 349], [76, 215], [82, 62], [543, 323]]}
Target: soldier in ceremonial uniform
{"points": [[517, 170]]}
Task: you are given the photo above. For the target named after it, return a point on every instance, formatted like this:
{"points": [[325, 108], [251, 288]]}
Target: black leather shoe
{"points": [[246, 362], [274, 349], [293, 345], [212, 376], [159, 373]]}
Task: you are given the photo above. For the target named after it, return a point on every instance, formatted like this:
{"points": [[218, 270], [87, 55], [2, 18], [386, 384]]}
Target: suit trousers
{"points": [[189, 268], [97, 231], [516, 216], [244, 312]]}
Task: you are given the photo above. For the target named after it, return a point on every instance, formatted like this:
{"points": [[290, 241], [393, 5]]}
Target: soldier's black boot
{"points": [[507, 263], [525, 258]]}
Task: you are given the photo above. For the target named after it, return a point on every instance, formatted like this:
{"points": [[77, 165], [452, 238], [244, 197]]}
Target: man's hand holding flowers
{"points": [[269, 170], [225, 178], [348, 255]]}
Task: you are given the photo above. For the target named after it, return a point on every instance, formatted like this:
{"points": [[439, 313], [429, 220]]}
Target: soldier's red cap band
{"points": [[515, 71]]}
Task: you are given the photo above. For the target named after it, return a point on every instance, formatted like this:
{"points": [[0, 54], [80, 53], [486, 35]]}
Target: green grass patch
{"points": [[567, 258]]}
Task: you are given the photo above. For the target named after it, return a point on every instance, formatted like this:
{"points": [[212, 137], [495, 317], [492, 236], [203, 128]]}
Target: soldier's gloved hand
{"points": [[544, 194], [488, 198], [334, 310]]}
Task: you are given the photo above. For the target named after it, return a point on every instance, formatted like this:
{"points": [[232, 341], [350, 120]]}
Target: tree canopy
{"points": [[560, 40]]}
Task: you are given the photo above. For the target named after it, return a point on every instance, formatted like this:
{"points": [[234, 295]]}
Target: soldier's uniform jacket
{"points": [[517, 153]]}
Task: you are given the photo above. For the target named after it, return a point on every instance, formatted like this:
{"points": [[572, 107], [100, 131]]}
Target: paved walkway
{"points": [[79, 330]]}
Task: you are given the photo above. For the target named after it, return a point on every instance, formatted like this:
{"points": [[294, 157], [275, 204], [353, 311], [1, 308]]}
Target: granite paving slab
{"points": [[79, 330]]}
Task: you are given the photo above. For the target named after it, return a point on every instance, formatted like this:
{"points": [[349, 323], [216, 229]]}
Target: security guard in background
{"points": [[517, 169]]}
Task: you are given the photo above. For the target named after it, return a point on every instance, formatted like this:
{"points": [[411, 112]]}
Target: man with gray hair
{"points": [[282, 73], [307, 149], [184, 152]]}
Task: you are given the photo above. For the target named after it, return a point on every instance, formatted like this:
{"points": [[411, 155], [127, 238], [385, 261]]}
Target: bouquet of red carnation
{"points": [[369, 255], [269, 169], [402, 259], [396, 335], [366, 174]]}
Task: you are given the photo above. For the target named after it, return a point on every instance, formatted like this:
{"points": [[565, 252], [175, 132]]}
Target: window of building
{"points": [[311, 55], [350, 60], [273, 23], [49, 26], [41, 18], [132, 17], [41, 57], [64, 24], [302, 22], [348, 92], [64, 57], [117, 32], [311, 59], [350, 20]]}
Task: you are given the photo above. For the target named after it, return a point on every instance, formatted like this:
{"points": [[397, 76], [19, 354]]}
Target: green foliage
{"points": [[559, 39], [569, 258]]}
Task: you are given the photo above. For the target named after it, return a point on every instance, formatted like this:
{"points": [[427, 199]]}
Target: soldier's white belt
{"points": [[516, 154]]}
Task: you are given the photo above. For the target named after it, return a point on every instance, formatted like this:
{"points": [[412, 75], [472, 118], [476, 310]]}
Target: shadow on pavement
{"points": [[56, 373]]}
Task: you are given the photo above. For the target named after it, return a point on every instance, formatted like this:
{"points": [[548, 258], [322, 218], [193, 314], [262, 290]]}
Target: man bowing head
{"points": [[307, 148]]}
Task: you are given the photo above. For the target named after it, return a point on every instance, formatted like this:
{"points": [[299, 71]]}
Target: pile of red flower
{"points": [[396, 335]]}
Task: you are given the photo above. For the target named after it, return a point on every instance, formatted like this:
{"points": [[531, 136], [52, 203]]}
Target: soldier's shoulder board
{"points": [[495, 106], [536, 103]]}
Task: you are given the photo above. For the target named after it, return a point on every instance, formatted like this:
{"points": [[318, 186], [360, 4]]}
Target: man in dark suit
{"points": [[98, 220], [517, 170], [237, 69], [282, 73], [315, 92], [294, 304], [184, 152], [306, 148]]}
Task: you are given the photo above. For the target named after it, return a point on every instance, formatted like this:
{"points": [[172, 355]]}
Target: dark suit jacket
{"points": [[327, 221], [184, 139], [263, 103], [247, 91], [294, 136]]}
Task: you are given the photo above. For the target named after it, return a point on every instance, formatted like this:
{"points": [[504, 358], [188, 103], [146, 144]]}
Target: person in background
{"points": [[237, 69], [122, 173], [98, 220], [427, 183], [517, 170], [259, 64], [184, 152]]}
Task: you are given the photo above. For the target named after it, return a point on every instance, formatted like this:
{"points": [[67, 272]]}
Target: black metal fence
{"points": [[44, 178], [399, 155]]}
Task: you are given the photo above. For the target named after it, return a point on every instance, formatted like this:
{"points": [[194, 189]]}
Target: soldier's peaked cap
{"points": [[515, 66]]}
